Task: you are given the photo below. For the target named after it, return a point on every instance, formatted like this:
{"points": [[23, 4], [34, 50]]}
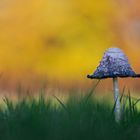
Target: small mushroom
{"points": [[114, 64]]}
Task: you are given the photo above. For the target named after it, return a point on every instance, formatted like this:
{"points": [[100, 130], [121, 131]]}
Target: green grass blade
{"points": [[124, 104], [113, 109], [130, 103], [91, 92], [61, 103], [122, 94], [137, 101]]}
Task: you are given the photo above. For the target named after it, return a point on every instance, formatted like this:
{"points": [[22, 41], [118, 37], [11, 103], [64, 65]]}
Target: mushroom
{"points": [[114, 64]]}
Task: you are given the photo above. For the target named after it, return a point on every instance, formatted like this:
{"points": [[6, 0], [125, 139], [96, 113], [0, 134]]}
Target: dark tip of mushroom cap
{"points": [[113, 64], [93, 77], [90, 76], [137, 76]]}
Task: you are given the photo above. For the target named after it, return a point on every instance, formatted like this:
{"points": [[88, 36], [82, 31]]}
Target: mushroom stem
{"points": [[117, 100]]}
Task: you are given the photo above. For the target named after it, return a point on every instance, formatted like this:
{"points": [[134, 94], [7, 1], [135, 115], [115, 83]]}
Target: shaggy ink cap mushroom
{"points": [[113, 64]]}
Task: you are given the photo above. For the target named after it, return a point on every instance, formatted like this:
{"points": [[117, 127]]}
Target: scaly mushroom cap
{"points": [[113, 64]]}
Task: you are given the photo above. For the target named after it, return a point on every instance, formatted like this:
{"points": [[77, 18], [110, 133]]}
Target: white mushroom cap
{"points": [[113, 64]]}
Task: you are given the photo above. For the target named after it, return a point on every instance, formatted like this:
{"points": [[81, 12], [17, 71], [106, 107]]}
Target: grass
{"points": [[79, 118]]}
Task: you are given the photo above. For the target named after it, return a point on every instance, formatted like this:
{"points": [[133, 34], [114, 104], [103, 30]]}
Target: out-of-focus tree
{"points": [[65, 39]]}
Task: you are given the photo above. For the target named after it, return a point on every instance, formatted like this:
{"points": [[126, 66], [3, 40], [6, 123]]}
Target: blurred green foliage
{"points": [[75, 119]]}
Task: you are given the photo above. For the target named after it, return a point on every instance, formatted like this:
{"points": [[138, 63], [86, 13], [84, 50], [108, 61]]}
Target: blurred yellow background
{"points": [[64, 40]]}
